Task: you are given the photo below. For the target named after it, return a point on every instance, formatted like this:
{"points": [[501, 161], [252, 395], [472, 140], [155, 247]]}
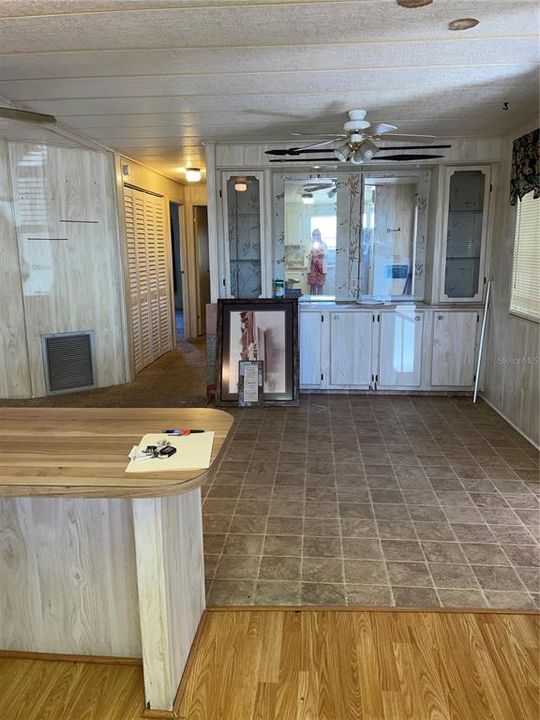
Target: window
{"points": [[525, 299]]}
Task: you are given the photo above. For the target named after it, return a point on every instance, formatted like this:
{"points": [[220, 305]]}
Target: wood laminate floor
{"points": [[311, 664]]}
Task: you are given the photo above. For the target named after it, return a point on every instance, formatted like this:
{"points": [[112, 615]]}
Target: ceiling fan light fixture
{"points": [[343, 152], [413, 3], [368, 150], [463, 24], [307, 198]]}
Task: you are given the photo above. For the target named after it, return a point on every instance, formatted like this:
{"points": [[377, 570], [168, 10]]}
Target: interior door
{"points": [[351, 349], [400, 348], [454, 348]]}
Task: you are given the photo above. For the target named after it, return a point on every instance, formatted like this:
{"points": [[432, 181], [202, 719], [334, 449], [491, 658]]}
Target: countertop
{"points": [[83, 452], [337, 305]]}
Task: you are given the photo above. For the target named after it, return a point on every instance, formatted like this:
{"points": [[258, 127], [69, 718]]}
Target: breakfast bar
{"points": [[95, 561]]}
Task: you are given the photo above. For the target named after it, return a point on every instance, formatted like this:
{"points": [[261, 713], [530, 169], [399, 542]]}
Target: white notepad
{"points": [[193, 452]]}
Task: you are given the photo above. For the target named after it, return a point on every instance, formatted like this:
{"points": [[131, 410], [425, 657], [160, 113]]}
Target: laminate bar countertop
{"points": [[83, 452]]}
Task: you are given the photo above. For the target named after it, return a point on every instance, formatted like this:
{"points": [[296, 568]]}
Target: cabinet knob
{"points": [[440, 317], [417, 318]]}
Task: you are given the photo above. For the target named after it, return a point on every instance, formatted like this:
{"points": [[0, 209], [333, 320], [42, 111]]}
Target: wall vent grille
{"points": [[69, 361]]}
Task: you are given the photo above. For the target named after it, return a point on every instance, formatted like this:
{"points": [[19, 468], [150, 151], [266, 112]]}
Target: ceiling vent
{"points": [[69, 361]]}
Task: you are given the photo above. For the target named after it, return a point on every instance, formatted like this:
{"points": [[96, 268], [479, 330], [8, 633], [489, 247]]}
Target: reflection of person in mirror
{"points": [[317, 264]]}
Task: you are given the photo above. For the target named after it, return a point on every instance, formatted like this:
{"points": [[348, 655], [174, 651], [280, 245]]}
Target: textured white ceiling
{"points": [[156, 78]]}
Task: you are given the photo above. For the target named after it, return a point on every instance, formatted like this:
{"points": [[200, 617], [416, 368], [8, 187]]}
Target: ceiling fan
{"points": [[25, 115], [356, 144]]}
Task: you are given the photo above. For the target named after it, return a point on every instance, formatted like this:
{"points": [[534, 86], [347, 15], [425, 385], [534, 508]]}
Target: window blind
{"points": [[525, 298]]}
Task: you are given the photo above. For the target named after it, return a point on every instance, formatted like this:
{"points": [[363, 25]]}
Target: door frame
{"points": [[199, 311], [186, 307]]}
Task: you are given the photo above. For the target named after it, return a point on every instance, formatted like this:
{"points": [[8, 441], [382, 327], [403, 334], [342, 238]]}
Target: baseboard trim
{"points": [[174, 714], [64, 657], [370, 609], [501, 414]]}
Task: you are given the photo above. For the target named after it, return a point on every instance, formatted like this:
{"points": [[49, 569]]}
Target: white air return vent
{"points": [[69, 361]]}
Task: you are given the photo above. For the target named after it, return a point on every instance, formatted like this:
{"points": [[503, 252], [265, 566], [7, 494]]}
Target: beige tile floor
{"points": [[357, 500]]}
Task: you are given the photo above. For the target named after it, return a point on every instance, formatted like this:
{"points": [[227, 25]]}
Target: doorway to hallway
{"points": [[179, 288]]}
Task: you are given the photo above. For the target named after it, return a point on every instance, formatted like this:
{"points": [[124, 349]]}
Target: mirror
{"points": [[310, 238], [389, 222]]}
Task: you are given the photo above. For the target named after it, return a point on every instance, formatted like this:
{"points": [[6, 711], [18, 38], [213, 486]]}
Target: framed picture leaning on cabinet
{"points": [[259, 329]]}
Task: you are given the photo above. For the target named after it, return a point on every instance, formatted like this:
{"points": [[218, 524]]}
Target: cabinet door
{"points": [[465, 231], [350, 349], [400, 348], [242, 216], [310, 331], [454, 348]]}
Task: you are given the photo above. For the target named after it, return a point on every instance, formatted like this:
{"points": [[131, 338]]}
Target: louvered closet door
{"points": [[143, 262], [149, 286], [163, 279], [133, 278]]}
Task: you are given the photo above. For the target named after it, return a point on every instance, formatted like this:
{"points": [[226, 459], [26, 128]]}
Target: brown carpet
{"points": [[177, 379]]}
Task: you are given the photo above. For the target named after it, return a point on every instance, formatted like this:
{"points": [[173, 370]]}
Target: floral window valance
{"points": [[525, 167]]}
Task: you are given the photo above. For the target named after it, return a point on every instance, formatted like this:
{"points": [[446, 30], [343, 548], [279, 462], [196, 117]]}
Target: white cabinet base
{"points": [[402, 350]]}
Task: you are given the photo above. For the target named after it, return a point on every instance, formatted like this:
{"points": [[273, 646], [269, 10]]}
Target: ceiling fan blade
{"points": [[317, 135], [297, 150], [404, 158], [382, 128], [281, 151], [25, 115], [412, 138], [415, 147], [324, 143], [315, 187], [398, 158], [333, 160]]}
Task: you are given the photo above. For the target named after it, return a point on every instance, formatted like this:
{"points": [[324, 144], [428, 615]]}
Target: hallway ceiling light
{"points": [[193, 174], [240, 186], [307, 198]]}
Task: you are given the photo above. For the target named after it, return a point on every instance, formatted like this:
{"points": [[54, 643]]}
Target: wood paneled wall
{"points": [[68, 576], [512, 357], [65, 256], [14, 368]]}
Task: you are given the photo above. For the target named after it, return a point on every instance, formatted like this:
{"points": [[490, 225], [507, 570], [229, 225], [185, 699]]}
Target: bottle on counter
{"points": [[279, 288]]}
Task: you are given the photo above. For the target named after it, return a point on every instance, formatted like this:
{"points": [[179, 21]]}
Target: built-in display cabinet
{"points": [[397, 348], [460, 233], [390, 262]]}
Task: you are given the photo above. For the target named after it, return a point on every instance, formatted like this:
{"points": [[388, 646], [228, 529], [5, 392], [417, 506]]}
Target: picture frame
{"points": [[251, 383], [259, 329]]}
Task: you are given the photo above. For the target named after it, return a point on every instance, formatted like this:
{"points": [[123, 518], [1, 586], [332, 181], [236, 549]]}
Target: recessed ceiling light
{"points": [[413, 3], [463, 24]]}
